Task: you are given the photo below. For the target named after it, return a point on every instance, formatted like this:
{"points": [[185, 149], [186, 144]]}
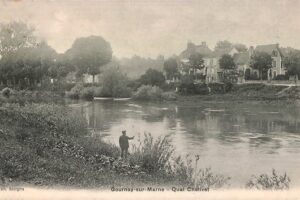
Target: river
{"points": [[235, 139]]}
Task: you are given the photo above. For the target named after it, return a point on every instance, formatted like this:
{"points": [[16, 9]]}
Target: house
{"points": [[277, 59], [242, 61], [211, 60]]}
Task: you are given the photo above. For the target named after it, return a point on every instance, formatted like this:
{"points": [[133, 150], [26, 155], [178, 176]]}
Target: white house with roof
{"points": [[242, 59], [211, 60]]}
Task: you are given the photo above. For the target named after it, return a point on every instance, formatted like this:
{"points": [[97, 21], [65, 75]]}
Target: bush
{"points": [[187, 172], [74, 93], [169, 96], [193, 89], [45, 118], [87, 93], [114, 83], [274, 181], [147, 93], [6, 92], [281, 77], [216, 88], [153, 155]]}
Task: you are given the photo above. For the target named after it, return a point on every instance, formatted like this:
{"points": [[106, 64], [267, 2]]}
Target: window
{"points": [[274, 53]]}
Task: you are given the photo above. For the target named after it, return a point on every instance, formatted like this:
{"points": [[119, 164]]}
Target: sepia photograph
{"points": [[166, 99]]}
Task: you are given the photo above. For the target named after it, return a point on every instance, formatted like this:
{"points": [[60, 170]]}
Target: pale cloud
{"points": [[152, 27]]}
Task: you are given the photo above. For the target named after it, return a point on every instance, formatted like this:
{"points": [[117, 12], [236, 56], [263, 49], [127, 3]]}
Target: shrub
{"points": [[74, 93], [45, 118], [281, 77], [156, 157], [192, 89], [169, 96], [188, 172], [114, 83], [216, 88], [147, 92], [274, 181], [6, 92], [87, 93], [153, 155]]}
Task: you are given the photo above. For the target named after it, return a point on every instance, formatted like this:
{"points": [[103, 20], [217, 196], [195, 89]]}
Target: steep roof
{"points": [[268, 48], [242, 58], [201, 49]]}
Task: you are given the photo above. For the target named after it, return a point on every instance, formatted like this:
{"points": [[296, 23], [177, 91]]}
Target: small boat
{"points": [[121, 99], [103, 98]]}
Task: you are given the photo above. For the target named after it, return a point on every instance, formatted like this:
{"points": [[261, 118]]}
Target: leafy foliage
{"points": [[292, 63], [153, 77], [147, 93], [227, 62], [274, 181], [171, 68], [89, 54], [114, 83], [261, 61], [196, 61]]}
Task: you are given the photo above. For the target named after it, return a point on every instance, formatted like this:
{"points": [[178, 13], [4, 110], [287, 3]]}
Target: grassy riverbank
{"points": [[49, 145]]}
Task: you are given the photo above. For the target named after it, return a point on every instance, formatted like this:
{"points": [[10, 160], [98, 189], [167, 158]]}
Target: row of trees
{"points": [[26, 60]]}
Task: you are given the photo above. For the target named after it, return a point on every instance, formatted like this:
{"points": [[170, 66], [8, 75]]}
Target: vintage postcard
{"points": [[169, 99]]}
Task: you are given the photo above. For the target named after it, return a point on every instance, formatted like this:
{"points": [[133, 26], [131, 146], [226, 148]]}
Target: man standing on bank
{"points": [[124, 144]]}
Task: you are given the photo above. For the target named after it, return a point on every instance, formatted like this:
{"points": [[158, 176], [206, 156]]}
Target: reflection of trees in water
{"points": [[101, 115], [232, 126], [192, 120]]}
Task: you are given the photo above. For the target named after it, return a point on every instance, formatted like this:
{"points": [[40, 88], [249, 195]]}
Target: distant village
{"points": [[211, 66]]}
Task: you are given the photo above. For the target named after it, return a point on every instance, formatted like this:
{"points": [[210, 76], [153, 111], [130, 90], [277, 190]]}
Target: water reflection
{"points": [[253, 135]]}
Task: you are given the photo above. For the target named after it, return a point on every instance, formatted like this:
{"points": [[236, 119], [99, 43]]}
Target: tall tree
{"points": [[24, 59], [153, 77], [196, 61], [262, 62], [171, 68], [227, 62], [223, 45], [16, 35], [89, 54], [292, 64]]}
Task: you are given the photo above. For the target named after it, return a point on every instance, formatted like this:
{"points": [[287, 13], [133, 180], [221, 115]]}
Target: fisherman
{"points": [[123, 141]]}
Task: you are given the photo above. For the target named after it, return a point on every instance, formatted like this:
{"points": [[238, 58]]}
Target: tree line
{"points": [[26, 60]]}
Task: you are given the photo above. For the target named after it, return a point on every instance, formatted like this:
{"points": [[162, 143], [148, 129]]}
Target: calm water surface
{"points": [[236, 139]]}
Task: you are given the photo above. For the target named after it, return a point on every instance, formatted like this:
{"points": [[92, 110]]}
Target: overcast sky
{"points": [[152, 27]]}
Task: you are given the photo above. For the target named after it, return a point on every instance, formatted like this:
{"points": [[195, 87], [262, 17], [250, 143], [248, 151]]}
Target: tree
{"points": [[171, 68], [60, 68], [16, 35], [262, 62], [114, 83], [89, 54], [240, 47], [227, 62], [292, 64], [153, 77], [25, 61], [223, 45]]}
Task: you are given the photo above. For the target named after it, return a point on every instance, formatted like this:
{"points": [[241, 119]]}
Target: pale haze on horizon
{"points": [[149, 28]]}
